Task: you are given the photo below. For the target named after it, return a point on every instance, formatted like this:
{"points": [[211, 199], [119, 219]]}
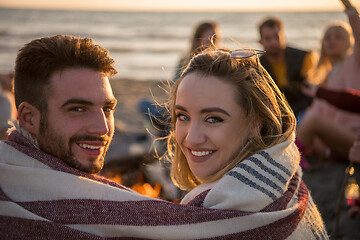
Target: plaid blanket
{"points": [[43, 198]]}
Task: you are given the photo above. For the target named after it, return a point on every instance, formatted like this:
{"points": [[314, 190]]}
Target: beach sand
{"points": [[325, 184], [324, 181]]}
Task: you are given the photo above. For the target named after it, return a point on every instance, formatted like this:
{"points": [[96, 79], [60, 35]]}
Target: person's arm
{"points": [[354, 21], [348, 100]]}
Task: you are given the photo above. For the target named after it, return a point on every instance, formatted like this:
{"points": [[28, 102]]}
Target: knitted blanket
{"points": [[43, 198]]}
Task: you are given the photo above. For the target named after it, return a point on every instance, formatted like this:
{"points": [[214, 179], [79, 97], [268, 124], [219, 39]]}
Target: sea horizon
{"points": [[148, 45]]}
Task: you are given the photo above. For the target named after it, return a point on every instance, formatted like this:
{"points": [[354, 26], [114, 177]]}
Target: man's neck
{"points": [[276, 57]]}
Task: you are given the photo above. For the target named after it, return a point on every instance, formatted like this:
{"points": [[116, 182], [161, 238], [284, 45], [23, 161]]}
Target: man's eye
{"points": [[77, 109], [214, 120], [182, 117]]}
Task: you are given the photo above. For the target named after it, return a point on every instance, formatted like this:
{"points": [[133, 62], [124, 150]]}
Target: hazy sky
{"points": [[181, 5]]}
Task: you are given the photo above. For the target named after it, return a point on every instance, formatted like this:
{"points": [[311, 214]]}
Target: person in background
{"points": [[288, 66], [341, 63], [333, 134], [206, 34], [232, 145], [7, 103]]}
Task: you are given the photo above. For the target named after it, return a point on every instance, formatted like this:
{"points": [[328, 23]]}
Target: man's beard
{"points": [[55, 145]]}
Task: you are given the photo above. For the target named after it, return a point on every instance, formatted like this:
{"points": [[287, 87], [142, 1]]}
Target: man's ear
{"points": [[29, 118]]}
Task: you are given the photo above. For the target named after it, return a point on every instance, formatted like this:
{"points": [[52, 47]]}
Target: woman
{"points": [[341, 62], [206, 34], [232, 146]]}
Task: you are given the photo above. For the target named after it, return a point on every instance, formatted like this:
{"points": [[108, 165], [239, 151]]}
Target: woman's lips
{"points": [[200, 155]]}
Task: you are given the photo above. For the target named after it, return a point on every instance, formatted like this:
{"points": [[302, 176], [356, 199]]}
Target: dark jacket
{"points": [[294, 59]]}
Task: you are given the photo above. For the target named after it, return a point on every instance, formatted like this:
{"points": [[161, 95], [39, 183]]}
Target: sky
{"points": [[182, 5]]}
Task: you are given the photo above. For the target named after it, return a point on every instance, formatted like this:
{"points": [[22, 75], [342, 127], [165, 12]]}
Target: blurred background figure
{"points": [[206, 34], [331, 124], [7, 103], [339, 64], [289, 67]]}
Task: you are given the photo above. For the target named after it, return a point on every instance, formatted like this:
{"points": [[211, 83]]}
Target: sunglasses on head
{"points": [[242, 53]]}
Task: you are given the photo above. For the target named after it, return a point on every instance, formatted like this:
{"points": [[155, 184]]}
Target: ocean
{"points": [[148, 45]]}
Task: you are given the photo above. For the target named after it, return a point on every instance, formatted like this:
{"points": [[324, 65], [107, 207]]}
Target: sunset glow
{"points": [[181, 5]]}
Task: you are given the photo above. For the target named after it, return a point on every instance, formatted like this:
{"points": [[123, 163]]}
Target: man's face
{"points": [[79, 123], [273, 40]]}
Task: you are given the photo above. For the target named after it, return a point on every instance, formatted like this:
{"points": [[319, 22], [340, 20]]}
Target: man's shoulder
{"points": [[292, 50]]}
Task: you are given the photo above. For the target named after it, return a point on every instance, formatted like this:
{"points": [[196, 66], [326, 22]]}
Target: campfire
{"points": [[142, 174]]}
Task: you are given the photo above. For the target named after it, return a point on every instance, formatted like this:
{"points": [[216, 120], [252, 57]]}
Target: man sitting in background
{"points": [[288, 66]]}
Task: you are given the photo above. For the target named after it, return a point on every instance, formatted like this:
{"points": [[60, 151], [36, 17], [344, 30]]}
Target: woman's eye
{"points": [[108, 109], [182, 117], [214, 120]]}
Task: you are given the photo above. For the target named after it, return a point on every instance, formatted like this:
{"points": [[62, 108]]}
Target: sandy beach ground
{"points": [[324, 181]]}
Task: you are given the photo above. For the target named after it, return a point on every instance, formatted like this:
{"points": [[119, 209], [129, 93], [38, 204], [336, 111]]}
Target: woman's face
{"points": [[335, 43], [211, 127]]}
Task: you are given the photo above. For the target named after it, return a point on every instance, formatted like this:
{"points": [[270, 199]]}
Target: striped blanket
{"points": [[43, 198]]}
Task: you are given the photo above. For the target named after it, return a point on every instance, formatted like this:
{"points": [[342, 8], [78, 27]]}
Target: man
{"points": [[47, 186], [288, 66]]}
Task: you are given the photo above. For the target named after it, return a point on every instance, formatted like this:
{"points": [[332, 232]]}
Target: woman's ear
{"points": [[29, 118]]}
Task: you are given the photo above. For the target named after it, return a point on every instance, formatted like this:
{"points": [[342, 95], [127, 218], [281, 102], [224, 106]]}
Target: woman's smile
{"points": [[211, 125]]}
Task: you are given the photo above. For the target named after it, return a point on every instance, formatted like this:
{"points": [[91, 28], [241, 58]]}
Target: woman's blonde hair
{"points": [[257, 94]]}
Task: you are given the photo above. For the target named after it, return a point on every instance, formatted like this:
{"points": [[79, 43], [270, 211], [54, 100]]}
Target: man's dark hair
{"points": [[39, 59], [270, 23]]}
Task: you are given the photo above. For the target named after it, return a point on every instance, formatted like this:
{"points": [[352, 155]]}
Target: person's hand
{"points": [[354, 153], [309, 89], [347, 4], [349, 8]]}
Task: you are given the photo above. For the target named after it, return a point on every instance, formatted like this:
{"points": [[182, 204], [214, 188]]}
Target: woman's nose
{"points": [[195, 135]]}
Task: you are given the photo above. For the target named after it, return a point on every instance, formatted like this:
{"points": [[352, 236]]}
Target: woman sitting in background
{"points": [[343, 64]]}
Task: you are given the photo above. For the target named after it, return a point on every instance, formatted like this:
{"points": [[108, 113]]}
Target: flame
{"points": [[117, 178], [141, 187], [147, 190]]}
